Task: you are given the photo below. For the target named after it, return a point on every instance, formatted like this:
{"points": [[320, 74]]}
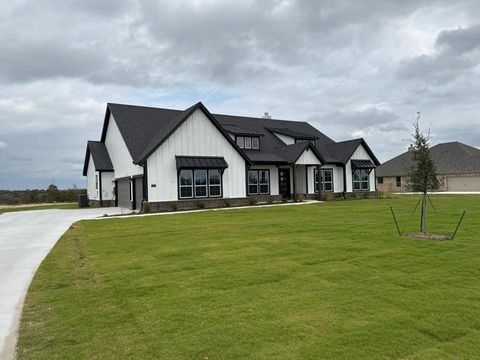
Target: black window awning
{"points": [[363, 164], [201, 162]]}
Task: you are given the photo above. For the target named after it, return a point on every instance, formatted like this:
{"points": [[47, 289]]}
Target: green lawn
{"points": [[39, 207], [329, 280]]}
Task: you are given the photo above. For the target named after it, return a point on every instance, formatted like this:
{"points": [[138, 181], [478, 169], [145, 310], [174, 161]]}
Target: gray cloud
{"points": [[456, 52], [351, 68]]}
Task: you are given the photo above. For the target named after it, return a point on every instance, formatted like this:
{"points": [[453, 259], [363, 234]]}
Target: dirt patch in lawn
{"points": [[426, 236]]}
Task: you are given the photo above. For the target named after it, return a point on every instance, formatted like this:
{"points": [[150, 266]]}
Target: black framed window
{"points": [[380, 180], [185, 180], [399, 181], [215, 183], [96, 182], [311, 141], [199, 183], [361, 180], [252, 182], [241, 142], [324, 182], [255, 143], [258, 182], [248, 142]]}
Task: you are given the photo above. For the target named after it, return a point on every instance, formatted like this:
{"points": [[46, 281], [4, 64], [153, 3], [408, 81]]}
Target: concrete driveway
{"points": [[26, 237]]}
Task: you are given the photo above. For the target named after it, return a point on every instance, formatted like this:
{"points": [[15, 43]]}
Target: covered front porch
{"points": [[299, 180]]}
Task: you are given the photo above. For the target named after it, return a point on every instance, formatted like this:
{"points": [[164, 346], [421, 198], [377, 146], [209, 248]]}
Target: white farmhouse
{"points": [[185, 159]]}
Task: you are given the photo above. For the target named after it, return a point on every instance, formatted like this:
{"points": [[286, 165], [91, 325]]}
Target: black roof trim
{"points": [[101, 158], [200, 162], [291, 153], [184, 116]]}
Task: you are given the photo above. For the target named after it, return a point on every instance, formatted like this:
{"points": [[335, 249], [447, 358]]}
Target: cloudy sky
{"points": [[351, 68]]}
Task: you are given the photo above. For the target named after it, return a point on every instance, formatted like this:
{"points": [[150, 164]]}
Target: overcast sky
{"points": [[351, 68]]}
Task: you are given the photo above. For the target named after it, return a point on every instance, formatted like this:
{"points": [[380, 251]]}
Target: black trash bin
{"points": [[83, 200]]}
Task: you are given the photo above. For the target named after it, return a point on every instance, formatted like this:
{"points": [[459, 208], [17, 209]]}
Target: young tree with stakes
{"points": [[423, 173]]}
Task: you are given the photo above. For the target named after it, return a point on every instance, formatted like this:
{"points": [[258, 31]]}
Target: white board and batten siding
{"points": [[305, 173], [121, 159], [359, 154], [107, 185], [308, 158], [92, 190], [197, 136]]}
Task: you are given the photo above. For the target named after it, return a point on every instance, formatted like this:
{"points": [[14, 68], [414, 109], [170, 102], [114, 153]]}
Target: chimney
{"points": [[266, 116], [411, 148]]}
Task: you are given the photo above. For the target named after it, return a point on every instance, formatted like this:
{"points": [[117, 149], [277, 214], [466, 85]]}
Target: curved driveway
{"points": [[26, 237]]}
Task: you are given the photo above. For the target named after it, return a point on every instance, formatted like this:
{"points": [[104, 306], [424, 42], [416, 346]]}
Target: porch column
{"points": [[294, 184], [306, 180], [319, 184]]}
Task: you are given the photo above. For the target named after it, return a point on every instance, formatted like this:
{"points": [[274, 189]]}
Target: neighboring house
{"points": [[458, 168], [184, 159]]}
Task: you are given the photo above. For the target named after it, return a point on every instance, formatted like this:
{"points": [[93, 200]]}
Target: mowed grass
{"points": [[330, 280], [28, 207]]}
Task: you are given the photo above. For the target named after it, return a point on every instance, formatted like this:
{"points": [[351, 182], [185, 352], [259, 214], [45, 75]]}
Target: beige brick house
{"points": [[458, 169]]}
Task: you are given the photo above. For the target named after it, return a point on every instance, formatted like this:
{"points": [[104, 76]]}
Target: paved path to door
{"points": [[26, 237]]}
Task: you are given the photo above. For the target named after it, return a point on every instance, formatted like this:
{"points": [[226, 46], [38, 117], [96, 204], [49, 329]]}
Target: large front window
{"points": [[259, 182], [200, 183], [324, 182], [361, 180]]}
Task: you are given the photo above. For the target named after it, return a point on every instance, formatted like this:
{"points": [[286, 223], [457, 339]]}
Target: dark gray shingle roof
{"points": [[101, 158], [449, 158], [145, 128]]}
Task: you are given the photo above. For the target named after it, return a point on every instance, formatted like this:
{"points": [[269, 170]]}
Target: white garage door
{"points": [[463, 183]]}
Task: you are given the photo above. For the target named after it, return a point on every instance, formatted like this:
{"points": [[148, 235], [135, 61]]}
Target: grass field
{"points": [[4, 209], [329, 280]]}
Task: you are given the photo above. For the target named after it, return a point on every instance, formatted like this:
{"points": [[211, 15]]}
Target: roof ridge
{"points": [[144, 106], [261, 118]]}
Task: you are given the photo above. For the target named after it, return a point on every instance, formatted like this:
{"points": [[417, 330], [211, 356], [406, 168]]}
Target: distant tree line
{"points": [[50, 195]]}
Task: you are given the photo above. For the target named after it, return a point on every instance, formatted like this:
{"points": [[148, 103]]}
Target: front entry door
{"points": [[284, 182]]}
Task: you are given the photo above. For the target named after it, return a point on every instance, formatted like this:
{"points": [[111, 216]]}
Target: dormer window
{"points": [[311, 141], [255, 143], [248, 142]]}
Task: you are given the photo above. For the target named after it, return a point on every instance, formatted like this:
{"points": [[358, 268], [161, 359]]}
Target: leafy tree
{"points": [[423, 173], [53, 194]]}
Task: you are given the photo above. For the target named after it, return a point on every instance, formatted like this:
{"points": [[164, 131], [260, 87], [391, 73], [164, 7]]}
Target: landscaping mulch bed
{"points": [[426, 236]]}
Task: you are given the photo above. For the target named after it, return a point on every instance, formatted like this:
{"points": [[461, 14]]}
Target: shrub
{"points": [[200, 204], [227, 203], [252, 201], [174, 206]]}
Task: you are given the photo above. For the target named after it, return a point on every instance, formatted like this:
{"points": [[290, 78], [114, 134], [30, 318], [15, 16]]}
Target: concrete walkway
{"points": [[26, 237]]}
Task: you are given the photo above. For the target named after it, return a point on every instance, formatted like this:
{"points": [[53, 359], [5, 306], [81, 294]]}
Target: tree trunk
{"points": [[423, 222]]}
